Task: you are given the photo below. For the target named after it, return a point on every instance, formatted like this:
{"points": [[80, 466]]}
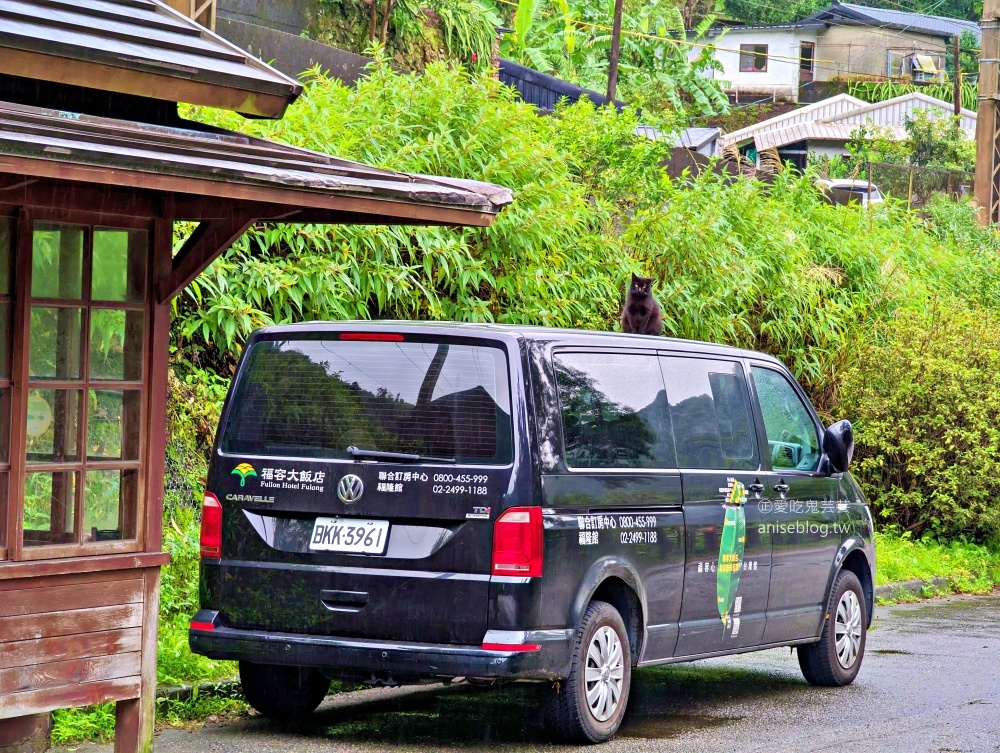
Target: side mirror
{"points": [[838, 446]]}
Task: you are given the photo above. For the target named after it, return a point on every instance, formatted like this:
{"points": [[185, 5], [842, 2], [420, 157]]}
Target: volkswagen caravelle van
{"points": [[399, 502]]}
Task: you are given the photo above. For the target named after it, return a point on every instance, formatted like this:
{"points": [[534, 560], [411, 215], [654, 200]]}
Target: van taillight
{"points": [[517, 542], [211, 527]]}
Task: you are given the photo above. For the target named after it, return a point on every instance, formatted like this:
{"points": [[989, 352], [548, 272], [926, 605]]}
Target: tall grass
{"points": [[879, 91]]}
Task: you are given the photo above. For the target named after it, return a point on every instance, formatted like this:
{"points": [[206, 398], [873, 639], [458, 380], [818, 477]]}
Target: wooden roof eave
{"points": [[93, 75], [383, 209]]}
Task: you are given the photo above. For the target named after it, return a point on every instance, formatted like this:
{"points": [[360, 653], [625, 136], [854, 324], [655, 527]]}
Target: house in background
{"points": [[824, 128], [840, 42]]}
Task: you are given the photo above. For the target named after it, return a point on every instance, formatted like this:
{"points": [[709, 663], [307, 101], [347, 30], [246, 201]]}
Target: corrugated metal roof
{"points": [[216, 163], [696, 138], [896, 111], [825, 108], [898, 19], [813, 131], [142, 36]]}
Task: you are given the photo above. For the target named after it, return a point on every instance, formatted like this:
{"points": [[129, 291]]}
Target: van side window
{"points": [[614, 411], [710, 408], [791, 433]]}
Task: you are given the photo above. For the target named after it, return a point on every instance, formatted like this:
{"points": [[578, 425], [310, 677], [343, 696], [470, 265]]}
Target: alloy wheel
{"points": [[848, 629], [605, 673]]}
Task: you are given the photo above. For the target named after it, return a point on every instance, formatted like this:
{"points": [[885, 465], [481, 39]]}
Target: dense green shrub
{"points": [[926, 406], [775, 268], [766, 266], [547, 259]]}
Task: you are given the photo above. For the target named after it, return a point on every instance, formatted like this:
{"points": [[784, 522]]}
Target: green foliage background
{"points": [[766, 266]]}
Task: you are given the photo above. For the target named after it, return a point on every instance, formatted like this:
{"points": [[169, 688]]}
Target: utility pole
{"points": [[616, 41], [956, 56], [987, 184]]}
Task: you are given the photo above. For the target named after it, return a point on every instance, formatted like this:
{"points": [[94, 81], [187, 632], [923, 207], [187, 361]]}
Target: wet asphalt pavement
{"points": [[930, 682]]}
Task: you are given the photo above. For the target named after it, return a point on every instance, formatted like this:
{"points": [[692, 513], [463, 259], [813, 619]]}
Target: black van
{"points": [[397, 502]]}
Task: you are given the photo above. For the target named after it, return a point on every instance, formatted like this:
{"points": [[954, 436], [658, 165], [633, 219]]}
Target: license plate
{"points": [[349, 535]]}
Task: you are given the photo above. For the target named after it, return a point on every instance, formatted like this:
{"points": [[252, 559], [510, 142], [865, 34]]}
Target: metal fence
{"points": [[916, 185]]}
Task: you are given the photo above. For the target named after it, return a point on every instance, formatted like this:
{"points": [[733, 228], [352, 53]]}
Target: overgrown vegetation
{"points": [[572, 39], [967, 568], [839, 293], [879, 91]]}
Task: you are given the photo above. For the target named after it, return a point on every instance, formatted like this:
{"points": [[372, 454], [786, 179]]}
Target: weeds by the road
{"points": [[969, 568]]}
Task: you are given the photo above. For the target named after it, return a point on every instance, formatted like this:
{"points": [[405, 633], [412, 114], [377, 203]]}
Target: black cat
{"points": [[641, 315]]}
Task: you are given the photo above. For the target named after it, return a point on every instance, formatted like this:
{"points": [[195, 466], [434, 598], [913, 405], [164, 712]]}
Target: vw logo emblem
{"points": [[350, 488]]}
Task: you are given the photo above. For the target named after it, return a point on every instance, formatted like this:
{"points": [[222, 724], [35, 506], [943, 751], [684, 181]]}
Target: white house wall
{"points": [[780, 80]]}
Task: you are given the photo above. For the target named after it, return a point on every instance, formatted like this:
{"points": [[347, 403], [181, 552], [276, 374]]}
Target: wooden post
{"points": [[987, 178], [616, 41], [956, 54]]}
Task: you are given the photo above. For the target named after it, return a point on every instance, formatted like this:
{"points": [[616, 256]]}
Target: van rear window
{"points": [[315, 398]]}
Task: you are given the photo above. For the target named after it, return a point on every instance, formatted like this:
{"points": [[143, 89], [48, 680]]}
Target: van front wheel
{"points": [[836, 659], [285, 694], [588, 707]]}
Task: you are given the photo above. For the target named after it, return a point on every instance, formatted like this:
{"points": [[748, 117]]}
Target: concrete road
{"points": [[930, 682]]}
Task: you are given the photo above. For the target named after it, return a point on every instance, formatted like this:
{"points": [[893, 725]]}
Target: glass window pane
{"points": [[792, 438], [55, 343], [119, 271], [614, 411], [710, 408], [57, 261], [51, 432], [4, 430], [116, 344], [4, 481], [6, 255], [49, 507], [113, 421], [109, 505], [314, 398], [6, 339]]}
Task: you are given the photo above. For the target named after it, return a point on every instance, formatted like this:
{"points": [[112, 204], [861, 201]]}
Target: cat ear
{"points": [[635, 278]]}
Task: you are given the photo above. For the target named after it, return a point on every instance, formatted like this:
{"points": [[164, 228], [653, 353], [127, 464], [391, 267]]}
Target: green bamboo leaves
{"points": [[734, 536]]}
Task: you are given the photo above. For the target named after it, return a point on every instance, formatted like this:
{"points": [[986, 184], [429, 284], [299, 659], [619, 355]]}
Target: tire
{"points": [[569, 714], [825, 663], [285, 694]]}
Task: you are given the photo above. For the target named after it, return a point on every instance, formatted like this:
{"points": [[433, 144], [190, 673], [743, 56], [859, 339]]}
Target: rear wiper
{"points": [[403, 457]]}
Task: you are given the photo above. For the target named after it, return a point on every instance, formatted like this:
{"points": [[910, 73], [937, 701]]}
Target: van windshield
{"points": [[316, 398]]}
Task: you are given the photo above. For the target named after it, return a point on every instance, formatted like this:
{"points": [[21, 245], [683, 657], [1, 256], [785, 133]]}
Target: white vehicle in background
{"points": [[845, 190]]}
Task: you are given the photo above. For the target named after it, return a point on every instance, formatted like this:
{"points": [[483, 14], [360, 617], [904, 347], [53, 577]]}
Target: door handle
{"points": [[756, 487], [781, 488]]}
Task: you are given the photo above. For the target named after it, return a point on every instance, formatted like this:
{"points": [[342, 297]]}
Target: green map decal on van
{"points": [[734, 536]]}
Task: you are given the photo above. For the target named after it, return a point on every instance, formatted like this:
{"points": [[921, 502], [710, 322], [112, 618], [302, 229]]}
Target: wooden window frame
{"points": [[748, 54], [23, 384], [8, 213], [811, 60]]}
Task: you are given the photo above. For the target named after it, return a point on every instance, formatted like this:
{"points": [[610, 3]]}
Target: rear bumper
{"points": [[402, 660]]}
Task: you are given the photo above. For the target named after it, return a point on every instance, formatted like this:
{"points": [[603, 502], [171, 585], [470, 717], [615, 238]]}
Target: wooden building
{"points": [[95, 168]]}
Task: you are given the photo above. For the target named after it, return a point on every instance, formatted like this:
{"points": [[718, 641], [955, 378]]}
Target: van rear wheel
{"points": [[285, 694], [836, 659], [588, 707]]}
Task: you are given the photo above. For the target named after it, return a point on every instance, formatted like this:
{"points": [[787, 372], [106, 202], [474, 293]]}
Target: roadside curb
{"points": [[911, 588], [186, 691]]}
